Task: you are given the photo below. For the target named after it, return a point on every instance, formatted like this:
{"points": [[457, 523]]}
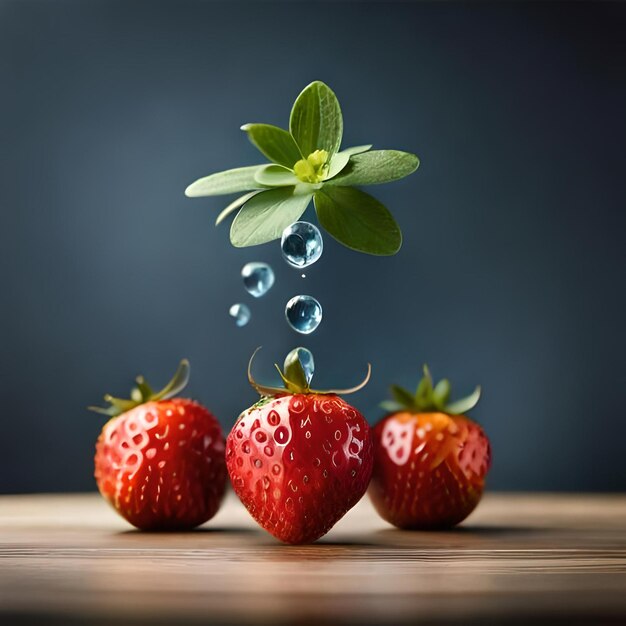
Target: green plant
{"points": [[308, 165]]}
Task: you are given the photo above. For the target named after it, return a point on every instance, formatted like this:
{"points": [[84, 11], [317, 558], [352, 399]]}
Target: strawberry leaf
{"points": [[294, 372], [441, 394], [264, 217], [464, 404], [424, 393], [177, 384], [316, 122], [143, 393], [391, 406], [376, 167], [429, 399], [357, 220], [296, 382], [275, 143], [402, 396]]}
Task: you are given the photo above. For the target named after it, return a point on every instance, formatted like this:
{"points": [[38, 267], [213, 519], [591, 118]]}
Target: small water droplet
{"points": [[240, 313], [301, 244], [258, 278], [303, 313]]}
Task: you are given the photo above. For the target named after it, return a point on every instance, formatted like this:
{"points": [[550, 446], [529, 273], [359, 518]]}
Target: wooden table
{"points": [[68, 559]]}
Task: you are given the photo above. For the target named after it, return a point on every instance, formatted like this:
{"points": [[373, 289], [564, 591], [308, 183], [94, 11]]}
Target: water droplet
{"points": [[308, 364], [304, 314], [301, 244], [258, 278], [240, 313]]}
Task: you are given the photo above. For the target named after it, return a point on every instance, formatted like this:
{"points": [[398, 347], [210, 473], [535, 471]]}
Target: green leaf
{"points": [[177, 384], [391, 406], [275, 143], [357, 220], [356, 149], [222, 183], [316, 122], [402, 396], [294, 372], [377, 166], [233, 206], [464, 404], [289, 385], [337, 163], [341, 159], [424, 392], [264, 217], [441, 394], [276, 176], [144, 389]]}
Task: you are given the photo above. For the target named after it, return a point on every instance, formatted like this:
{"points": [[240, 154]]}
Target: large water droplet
{"points": [[304, 314], [308, 364], [258, 278], [301, 244], [240, 313]]}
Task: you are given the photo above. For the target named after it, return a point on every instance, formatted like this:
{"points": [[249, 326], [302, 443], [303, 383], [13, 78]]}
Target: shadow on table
{"points": [[202, 530], [477, 535]]}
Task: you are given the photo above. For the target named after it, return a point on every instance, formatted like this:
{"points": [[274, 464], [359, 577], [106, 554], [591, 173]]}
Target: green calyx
{"points": [[430, 398], [142, 393], [307, 164], [295, 379]]}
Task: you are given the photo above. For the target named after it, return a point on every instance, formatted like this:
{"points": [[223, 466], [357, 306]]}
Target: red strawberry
{"points": [[299, 459], [430, 462], [160, 461]]}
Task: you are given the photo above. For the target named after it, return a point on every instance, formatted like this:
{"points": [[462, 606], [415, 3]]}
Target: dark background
{"points": [[511, 273]]}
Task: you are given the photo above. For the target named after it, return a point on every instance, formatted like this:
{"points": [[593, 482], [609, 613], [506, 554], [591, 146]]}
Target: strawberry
{"points": [[430, 461], [160, 460], [299, 459]]}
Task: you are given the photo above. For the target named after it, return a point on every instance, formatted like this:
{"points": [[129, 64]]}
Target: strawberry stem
{"points": [[143, 393], [429, 398], [295, 380]]}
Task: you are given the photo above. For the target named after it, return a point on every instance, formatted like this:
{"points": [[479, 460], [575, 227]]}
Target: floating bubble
{"points": [[303, 313], [240, 313], [308, 364], [258, 278], [301, 244]]}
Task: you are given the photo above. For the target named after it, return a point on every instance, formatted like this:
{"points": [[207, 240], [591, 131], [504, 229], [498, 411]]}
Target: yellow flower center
{"points": [[314, 168]]}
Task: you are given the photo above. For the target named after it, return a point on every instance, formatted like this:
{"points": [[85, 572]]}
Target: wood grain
{"points": [[547, 558]]}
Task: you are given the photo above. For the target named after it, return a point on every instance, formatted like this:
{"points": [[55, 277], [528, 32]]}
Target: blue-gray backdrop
{"points": [[511, 274]]}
